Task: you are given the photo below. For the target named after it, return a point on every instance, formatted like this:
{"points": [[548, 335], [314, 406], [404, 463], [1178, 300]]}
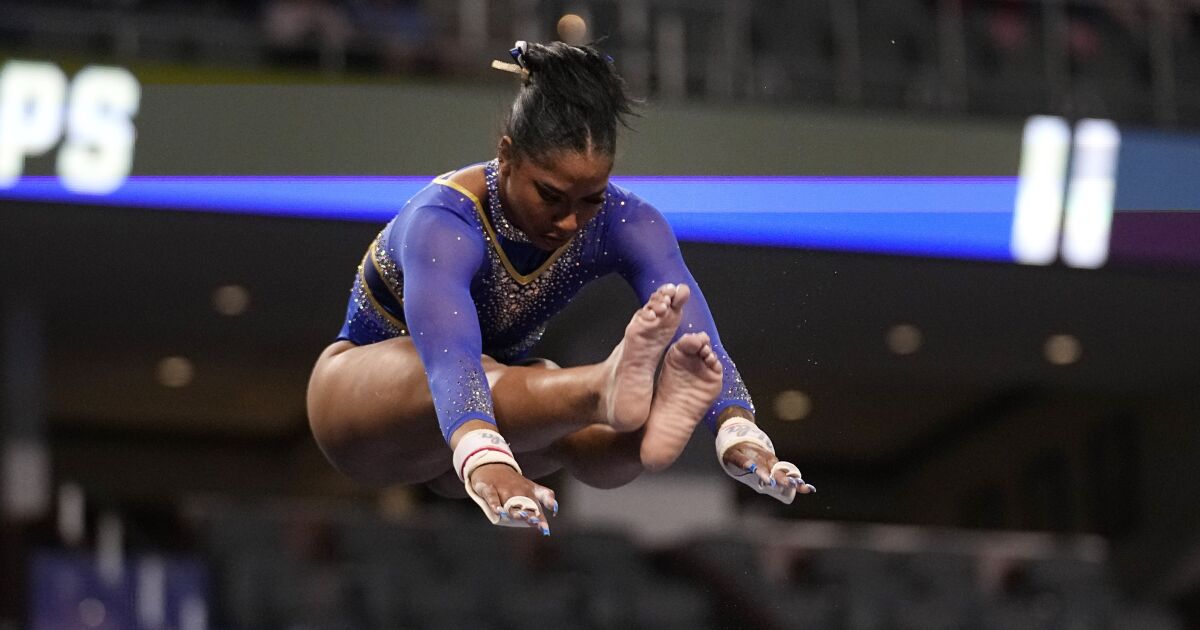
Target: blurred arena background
{"points": [[964, 292]]}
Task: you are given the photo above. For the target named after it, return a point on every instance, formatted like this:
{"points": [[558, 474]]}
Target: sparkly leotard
{"points": [[450, 272]]}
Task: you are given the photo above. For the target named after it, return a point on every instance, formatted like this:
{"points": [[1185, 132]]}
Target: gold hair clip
{"points": [[510, 67]]}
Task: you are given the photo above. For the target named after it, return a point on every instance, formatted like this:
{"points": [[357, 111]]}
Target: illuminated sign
{"points": [[957, 217], [1052, 209], [92, 115]]}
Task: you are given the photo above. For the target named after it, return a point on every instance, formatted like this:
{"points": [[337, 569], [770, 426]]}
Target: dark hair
{"points": [[572, 98]]}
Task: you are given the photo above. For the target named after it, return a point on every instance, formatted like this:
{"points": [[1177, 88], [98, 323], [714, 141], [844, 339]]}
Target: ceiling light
{"points": [[1062, 349], [231, 299], [903, 339], [175, 372], [792, 405]]}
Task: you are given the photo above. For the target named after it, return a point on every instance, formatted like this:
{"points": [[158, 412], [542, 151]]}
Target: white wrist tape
{"points": [[486, 446], [736, 431]]}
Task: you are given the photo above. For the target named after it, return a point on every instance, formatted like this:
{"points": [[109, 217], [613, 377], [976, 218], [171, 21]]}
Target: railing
{"points": [[1138, 60]]}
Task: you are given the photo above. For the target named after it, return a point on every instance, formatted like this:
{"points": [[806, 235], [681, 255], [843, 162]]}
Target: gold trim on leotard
{"points": [[366, 288], [521, 279], [379, 271]]}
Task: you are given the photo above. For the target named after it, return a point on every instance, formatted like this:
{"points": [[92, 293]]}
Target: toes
{"points": [[710, 357], [659, 303], [692, 343], [682, 292]]}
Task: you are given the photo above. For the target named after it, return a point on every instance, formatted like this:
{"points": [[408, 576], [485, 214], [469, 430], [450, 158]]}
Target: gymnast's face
{"points": [[552, 196]]}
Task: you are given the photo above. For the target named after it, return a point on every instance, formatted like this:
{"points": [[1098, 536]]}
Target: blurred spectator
{"points": [[899, 52], [400, 30], [793, 48], [297, 30], [1007, 70], [1187, 61], [1107, 68]]}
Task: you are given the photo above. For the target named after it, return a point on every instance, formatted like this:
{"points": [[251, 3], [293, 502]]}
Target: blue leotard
{"points": [[440, 273]]}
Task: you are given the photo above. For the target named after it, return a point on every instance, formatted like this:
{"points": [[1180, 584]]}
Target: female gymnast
{"points": [[458, 287]]}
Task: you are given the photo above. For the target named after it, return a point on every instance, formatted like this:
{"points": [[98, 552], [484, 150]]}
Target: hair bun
{"points": [[572, 98], [518, 52]]}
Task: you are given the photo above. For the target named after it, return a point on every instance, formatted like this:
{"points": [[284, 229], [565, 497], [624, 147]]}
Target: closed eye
{"points": [[548, 195]]}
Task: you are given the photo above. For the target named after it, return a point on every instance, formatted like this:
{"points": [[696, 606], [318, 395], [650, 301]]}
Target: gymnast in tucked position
{"points": [[456, 290]]}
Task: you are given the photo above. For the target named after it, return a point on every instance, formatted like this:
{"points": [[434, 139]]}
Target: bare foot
{"points": [[689, 383], [631, 366]]}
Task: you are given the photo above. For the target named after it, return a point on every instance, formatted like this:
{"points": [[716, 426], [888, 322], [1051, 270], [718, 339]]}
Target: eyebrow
{"points": [[555, 190]]}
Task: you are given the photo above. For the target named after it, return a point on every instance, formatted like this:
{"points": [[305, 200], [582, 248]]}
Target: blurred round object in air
{"points": [[1062, 349], [175, 372], [572, 29], [904, 339], [792, 405], [231, 300], [92, 612]]}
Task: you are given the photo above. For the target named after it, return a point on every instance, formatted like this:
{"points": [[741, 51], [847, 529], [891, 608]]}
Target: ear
{"points": [[504, 151]]}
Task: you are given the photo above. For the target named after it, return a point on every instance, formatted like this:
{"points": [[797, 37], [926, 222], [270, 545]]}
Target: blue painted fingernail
{"points": [[753, 467], [523, 514], [556, 508], [773, 483], [533, 521], [545, 532]]}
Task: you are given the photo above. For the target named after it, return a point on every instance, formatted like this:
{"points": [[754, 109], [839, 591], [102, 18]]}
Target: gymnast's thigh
{"points": [[373, 402]]}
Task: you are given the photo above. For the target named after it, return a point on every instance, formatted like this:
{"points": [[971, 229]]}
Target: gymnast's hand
{"points": [[498, 483], [759, 462], [747, 454]]}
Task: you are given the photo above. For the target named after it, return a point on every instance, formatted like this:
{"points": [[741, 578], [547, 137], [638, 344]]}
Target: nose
{"points": [[568, 224]]}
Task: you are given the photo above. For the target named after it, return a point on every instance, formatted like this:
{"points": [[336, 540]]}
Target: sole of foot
{"points": [[689, 383], [634, 361]]}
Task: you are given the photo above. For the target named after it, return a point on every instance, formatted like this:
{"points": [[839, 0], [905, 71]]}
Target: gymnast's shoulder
{"points": [[623, 203], [459, 193]]}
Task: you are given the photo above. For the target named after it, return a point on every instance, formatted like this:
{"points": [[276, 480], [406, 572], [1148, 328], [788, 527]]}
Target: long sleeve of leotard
{"points": [[440, 253], [648, 256]]}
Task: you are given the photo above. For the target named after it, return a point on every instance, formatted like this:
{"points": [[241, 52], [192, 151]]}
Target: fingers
{"points": [[490, 495], [515, 500], [522, 511], [786, 475], [545, 496], [772, 475], [755, 461]]}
